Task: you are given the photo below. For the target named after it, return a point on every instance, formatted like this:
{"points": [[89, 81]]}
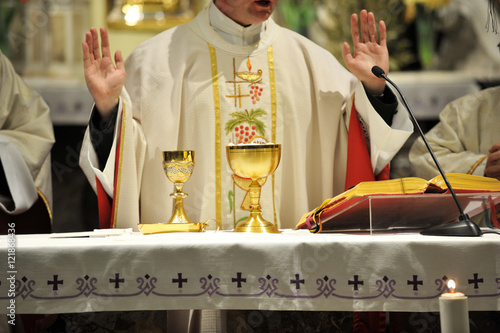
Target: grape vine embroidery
{"points": [[245, 125]]}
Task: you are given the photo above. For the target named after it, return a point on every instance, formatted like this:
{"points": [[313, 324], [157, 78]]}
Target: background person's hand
{"points": [[493, 162]]}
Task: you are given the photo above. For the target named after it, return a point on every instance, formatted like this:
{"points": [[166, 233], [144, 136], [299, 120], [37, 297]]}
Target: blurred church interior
{"points": [[440, 50]]}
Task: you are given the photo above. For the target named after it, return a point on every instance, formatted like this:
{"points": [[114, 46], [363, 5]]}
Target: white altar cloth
{"points": [[294, 270]]}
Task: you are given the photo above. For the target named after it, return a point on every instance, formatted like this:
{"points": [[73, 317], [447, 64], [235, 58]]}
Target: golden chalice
{"points": [[178, 166], [254, 162]]}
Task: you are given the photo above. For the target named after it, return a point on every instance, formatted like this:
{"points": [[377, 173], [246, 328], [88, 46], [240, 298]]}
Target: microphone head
{"points": [[378, 72]]}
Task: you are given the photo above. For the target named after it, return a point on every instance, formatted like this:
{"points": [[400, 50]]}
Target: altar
{"points": [[293, 270]]}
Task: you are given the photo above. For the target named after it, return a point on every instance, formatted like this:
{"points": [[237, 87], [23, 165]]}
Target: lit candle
{"points": [[453, 311]]}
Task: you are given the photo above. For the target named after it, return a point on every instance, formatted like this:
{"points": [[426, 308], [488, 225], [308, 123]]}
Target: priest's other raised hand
{"points": [[104, 78], [368, 52]]}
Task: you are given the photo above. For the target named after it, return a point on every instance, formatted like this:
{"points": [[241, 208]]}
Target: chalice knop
{"points": [[178, 166], [254, 161]]}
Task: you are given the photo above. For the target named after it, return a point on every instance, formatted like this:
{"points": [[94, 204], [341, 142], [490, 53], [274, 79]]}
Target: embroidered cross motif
{"points": [[475, 281], [117, 280], [239, 279], [415, 282], [55, 283], [356, 282], [297, 281], [179, 280]]}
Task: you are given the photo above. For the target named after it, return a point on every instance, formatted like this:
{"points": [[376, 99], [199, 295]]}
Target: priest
{"points": [[232, 75]]}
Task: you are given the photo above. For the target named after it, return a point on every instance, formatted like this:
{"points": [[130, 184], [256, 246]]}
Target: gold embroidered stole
{"points": [[252, 78]]}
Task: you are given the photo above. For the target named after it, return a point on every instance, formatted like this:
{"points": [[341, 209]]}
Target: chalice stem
{"points": [[179, 214], [255, 222], [255, 196]]}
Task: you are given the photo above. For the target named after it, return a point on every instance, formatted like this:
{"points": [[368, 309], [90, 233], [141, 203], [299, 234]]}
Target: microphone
{"points": [[464, 226]]}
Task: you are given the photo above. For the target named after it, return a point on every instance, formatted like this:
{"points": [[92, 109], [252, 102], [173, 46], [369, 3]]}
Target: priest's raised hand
{"points": [[104, 78], [368, 52]]}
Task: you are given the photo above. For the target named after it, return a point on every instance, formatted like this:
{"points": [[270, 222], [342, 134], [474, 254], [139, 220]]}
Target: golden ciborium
{"points": [[254, 161], [178, 166]]}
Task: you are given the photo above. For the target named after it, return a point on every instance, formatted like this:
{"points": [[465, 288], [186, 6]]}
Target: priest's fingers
{"points": [[95, 44], [86, 46], [364, 26], [89, 45], [356, 38], [372, 28], [106, 53], [119, 60], [383, 33], [346, 54]]}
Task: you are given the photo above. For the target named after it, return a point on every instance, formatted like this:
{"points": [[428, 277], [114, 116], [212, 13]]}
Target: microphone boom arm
{"points": [[466, 227]]}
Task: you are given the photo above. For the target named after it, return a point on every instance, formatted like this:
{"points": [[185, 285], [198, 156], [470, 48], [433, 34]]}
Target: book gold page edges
{"points": [[397, 193]]}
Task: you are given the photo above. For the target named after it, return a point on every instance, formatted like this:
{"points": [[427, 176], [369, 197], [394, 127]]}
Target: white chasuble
{"points": [[26, 138], [189, 89], [468, 127]]}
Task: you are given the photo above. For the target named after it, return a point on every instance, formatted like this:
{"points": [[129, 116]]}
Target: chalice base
{"points": [[179, 219], [255, 223]]}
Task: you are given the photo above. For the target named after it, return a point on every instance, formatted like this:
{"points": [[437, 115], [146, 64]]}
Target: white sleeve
{"points": [[19, 180], [385, 141]]}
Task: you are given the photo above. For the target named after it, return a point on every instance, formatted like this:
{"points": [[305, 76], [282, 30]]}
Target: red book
{"points": [[403, 204]]}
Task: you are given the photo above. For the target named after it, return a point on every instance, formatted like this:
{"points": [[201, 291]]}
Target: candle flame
{"points": [[451, 285], [249, 65]]}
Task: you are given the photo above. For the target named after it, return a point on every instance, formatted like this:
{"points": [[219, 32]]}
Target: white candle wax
{"points": [[454, 313]]}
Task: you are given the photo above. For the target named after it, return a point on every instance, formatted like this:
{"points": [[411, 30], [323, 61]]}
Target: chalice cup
{"points": [[178, 166], [254, 162]]}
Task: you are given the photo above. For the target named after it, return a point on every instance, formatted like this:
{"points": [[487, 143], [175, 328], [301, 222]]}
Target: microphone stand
{"points": [[464, 226]]}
